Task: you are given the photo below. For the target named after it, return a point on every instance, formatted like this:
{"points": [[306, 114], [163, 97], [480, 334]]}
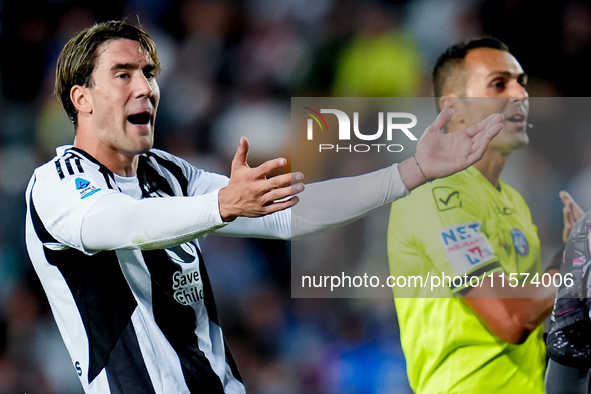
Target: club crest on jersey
{"points": [[183, 254], [520, 242], [465, 246], [85, 188]]}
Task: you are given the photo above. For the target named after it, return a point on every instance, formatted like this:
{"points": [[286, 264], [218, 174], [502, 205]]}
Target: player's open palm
{"points": [[249, 193], [440, 155]]}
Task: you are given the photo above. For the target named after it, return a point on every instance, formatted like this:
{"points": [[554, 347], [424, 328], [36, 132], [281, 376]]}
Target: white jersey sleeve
{"points": [[62, 192], [117, 222], [86, 210], [91, 214], [325, 205]]}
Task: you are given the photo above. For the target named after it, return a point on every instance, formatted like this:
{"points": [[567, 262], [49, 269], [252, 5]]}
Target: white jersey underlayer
{"points": [[128, 223]]}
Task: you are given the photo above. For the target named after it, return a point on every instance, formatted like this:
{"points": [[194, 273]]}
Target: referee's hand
{"points": [[249, 193]]}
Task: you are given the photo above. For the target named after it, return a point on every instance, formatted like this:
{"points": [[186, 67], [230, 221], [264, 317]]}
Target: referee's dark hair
{"points": [[77, 59], [448, 66]]}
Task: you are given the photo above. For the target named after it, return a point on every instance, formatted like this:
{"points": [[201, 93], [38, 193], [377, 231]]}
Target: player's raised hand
{"points": [[439, 155], [249, 192], [571, 213]]}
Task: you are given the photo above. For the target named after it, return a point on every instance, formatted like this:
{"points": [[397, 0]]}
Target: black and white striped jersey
{"points": [[134, 321], [133, 302]]}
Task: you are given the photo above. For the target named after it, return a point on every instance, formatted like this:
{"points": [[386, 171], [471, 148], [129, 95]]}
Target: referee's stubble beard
{"points": [[494, 83]]}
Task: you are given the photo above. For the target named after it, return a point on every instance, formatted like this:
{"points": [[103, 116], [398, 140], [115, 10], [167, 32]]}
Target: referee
{"points": [[458, 338], [112, 224]]}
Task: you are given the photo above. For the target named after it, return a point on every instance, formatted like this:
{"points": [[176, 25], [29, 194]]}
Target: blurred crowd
{"points": [[230, 68]]}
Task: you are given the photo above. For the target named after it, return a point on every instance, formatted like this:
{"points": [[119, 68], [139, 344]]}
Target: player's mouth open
{"points": [[516, 118], [141, 118]]}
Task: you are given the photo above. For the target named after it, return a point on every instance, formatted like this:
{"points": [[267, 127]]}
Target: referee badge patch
{"points": [[85, 188], [520, 242]]}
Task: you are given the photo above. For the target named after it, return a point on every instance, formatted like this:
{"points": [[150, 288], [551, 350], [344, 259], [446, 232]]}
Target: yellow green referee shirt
{"points": [[454, 226]]}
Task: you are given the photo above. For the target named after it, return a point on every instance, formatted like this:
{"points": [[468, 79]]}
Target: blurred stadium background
{"points": [[230, 68]]}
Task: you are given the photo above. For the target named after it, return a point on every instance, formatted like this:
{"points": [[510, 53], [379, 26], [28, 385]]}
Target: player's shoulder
{"points": [[174, 164], [68, 163], [582, 227], [71, 174], [160, 154]]}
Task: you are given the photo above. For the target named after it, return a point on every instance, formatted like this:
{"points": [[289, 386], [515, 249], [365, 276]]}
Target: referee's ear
{"points": [[81, 99], [447, 102], [451, 102]]}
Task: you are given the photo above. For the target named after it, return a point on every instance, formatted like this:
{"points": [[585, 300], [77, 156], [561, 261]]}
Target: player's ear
{"points": [[81, 99]]}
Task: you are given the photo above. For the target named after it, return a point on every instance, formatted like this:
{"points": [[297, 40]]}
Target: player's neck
{"points": [[115, 161], [491, 165]]}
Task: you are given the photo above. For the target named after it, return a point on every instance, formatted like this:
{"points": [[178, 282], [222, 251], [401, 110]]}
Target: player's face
{"points": [[497, 82], [124, 98]]}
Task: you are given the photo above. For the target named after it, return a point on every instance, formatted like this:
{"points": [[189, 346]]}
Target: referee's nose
{"points": [[516, 90]]}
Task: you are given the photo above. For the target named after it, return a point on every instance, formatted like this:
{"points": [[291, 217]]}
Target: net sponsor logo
{"points": [[466, 246], [395, 121]]}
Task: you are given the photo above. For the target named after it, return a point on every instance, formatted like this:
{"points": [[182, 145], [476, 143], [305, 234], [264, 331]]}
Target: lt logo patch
{"points": [[446, 198]]}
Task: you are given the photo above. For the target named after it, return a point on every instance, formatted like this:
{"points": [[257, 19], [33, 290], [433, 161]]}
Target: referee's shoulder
{"points": [[462, 180], [429, 197], [465, 181]]}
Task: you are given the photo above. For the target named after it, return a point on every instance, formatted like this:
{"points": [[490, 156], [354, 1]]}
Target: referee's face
{"points": [[124, 98], [495, 82]]}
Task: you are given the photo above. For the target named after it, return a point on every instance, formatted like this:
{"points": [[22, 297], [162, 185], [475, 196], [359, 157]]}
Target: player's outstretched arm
{"points": [[330, 204], [439, 155], [249, 193]]}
